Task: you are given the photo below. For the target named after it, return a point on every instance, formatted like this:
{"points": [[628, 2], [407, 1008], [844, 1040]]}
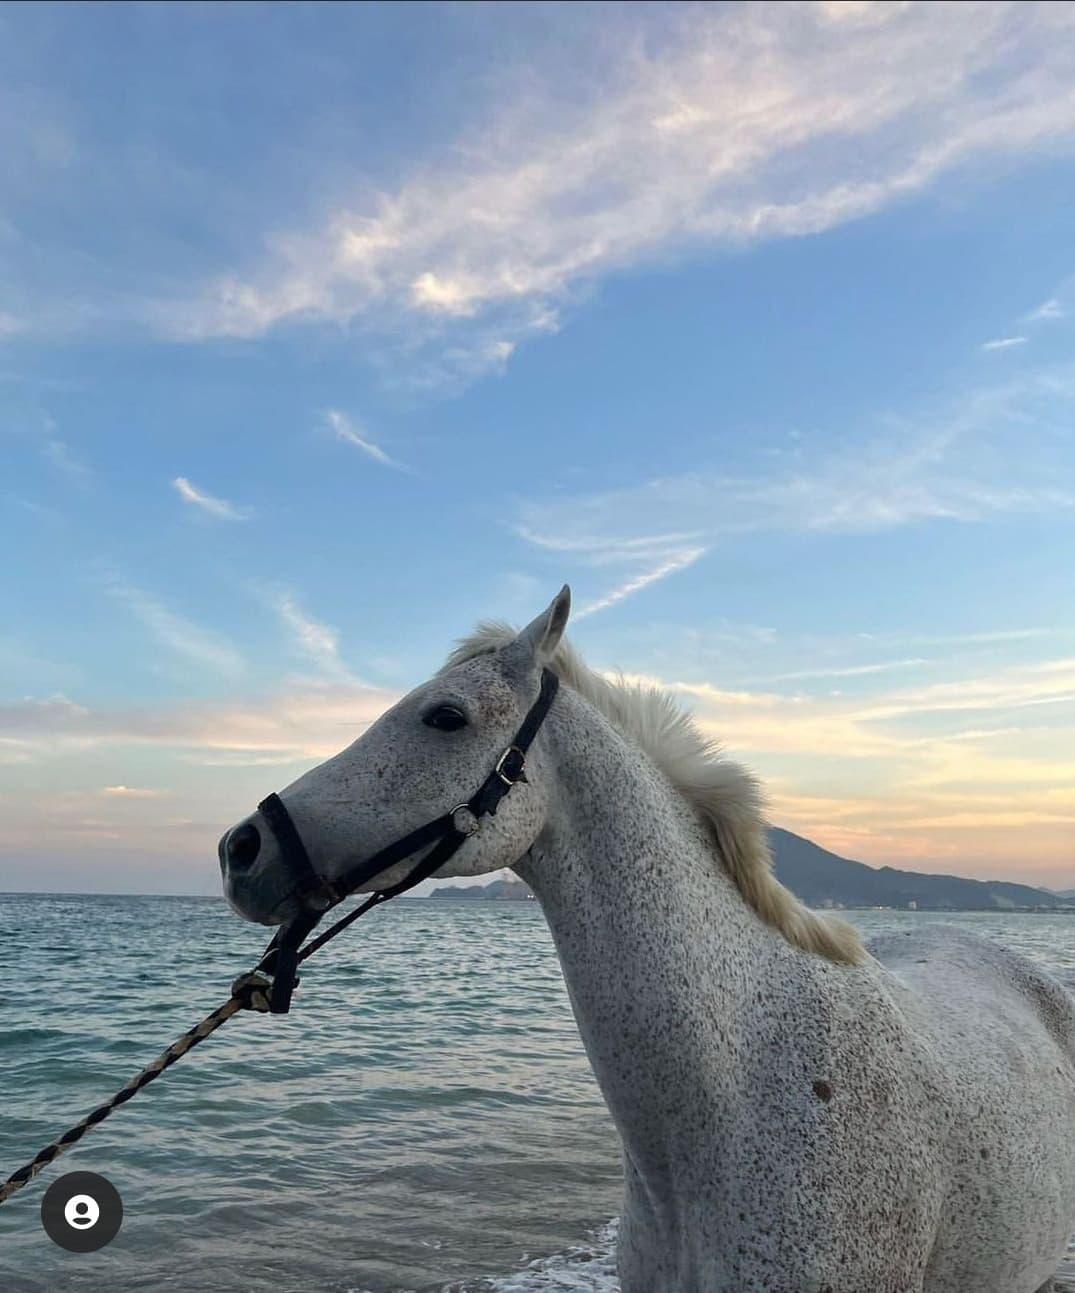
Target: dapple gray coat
{"points": [[798, 1114]]}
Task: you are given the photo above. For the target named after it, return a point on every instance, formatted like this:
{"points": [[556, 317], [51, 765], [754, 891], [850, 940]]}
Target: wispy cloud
{"points": [[318, 641], [218, 507], [675, 561], [1050, 309], [344, 429], [179, 635], [60, 455], [43, 432], [985, 637], [644, 559], [1049, 682], [912, 470], [130, 792], [1004, 343], [849, 671], [1047, 312], [722, 126], [309, 720], [9, 325], [748, 657]]}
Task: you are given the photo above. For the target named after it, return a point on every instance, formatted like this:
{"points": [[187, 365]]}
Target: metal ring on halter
{"points": [[499, 769], [470, 825]]}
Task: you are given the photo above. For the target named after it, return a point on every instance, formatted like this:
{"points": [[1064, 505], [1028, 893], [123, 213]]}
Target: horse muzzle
{"points": [[256, 883]]}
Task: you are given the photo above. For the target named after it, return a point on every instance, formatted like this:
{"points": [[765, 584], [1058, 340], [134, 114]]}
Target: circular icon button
{"points": [[82, 1212]]}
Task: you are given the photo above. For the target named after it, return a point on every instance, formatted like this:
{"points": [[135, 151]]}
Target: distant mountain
{"points": [[821, 879], [497, 890]]}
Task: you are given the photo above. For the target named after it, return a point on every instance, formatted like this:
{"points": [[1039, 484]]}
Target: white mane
{"points": [[726, 795]]}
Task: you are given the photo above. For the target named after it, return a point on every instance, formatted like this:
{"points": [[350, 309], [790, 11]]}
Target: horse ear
{"points": [[541, 637]]}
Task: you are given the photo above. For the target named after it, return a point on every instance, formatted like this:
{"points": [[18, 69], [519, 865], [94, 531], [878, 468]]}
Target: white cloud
{"points": [[57, 452], [307, 721], [214, 506], [983, 638], [671, 564], [180, 636], [1050, 309], [1004, 343], [60, 455], [1050, 682], [861, 11], [907, 472], [646, 559], [848, 671], [9, 325], [131, 792], [443, 295], [717, 125], [599, 550], [345, 431], [320, 642]]}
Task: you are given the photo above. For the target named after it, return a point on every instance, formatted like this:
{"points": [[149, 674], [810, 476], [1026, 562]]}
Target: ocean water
{"points": [[425, 1119]]}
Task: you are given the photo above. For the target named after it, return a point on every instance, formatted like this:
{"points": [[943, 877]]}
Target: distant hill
{"points": [[821, 879], [496, 890]]}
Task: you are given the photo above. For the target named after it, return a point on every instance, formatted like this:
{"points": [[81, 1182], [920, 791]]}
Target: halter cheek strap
{"points": [[446, 833]]}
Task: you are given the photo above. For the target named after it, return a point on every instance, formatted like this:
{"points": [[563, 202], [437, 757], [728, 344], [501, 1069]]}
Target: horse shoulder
{"points": [[833, 1146]]}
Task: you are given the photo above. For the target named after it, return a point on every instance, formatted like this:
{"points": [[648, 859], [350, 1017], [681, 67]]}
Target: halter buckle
{"points": [[520, 775]]}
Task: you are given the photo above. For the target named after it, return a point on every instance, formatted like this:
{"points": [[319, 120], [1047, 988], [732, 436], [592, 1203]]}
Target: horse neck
{"points": [[659, 950]]}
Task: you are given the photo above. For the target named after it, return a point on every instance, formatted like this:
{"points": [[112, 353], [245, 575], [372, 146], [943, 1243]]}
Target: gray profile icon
{"points": [[82, 1212]]}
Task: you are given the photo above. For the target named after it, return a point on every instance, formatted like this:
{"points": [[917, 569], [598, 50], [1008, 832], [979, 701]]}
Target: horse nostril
{"points": [[242, 846]]}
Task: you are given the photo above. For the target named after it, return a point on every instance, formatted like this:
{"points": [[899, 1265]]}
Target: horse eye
{"points": [[445, 718]]}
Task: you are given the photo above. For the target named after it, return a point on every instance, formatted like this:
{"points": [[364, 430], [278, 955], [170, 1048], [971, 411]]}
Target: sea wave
{"points": [[590, 1268], [587, 1268]]}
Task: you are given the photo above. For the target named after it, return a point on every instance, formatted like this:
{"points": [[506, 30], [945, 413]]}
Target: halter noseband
{"points": [[447, 833]]}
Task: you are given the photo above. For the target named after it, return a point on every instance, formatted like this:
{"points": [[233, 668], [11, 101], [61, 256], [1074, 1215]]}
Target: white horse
{"points": [[799, 1114]]}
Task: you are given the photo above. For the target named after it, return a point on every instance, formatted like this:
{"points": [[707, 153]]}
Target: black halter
{"points": [[447, 833]]}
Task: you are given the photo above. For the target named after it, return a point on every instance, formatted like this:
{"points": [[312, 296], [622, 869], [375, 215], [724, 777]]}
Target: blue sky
{"points": [[326, 330]]}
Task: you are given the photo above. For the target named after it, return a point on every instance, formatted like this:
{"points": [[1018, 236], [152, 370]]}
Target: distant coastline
{"points": [[821, 879], [824, 880], [494, 891]]}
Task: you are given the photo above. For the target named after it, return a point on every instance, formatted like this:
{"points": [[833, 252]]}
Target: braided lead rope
{"points": [[253, 991], [248, 992]]}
